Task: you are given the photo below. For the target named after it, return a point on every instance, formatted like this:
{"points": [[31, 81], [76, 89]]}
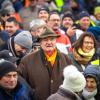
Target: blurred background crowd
{"points": [[42, 37]]}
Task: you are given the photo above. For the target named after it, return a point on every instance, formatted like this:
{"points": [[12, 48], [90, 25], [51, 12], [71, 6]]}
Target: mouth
{"points": [[48, 46]]}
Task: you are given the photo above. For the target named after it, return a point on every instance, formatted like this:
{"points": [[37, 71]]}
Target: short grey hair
{"points": [[37, 23]]}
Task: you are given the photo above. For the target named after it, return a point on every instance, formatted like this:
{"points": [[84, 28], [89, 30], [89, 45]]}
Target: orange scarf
{"points": [[52, 57]]}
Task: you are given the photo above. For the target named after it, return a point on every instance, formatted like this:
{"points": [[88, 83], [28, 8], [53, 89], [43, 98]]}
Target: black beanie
{"points": [[84, 14], [68, 15], [6, 67], [44, 8]]}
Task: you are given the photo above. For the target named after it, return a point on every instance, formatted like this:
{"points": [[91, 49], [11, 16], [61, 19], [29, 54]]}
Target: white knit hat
{"points": [[73, 79]]}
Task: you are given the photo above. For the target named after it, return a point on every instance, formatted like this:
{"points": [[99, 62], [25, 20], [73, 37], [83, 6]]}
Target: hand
{"points": [[71, 31]]}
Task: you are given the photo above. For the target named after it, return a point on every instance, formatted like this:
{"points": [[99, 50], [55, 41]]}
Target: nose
{"points": [[12, 78], [24, 51], [88, 84]]}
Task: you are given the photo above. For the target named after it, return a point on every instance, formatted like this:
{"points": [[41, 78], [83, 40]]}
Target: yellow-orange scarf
{"points": [[51, 58], [82, 57]]}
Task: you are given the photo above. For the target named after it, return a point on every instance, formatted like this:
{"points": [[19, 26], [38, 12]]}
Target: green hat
{"points": [[48, 32]]}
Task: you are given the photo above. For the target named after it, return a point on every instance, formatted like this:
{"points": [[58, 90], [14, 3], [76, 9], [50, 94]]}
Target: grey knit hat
{"points": [[24, 39]]}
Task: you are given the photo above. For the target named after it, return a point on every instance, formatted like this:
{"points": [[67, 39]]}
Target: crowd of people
{"points": [[49, 49]]}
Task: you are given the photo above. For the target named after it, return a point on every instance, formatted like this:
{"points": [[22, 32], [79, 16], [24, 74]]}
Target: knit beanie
{"points": [[73, 79], [92, 71], [97, 10], [24, 39], [68, 15], [44, 8], [6, 67], [84, 14]]}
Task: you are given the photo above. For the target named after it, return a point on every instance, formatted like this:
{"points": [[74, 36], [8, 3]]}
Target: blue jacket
{"points": [[21, 92], [96, 32]]}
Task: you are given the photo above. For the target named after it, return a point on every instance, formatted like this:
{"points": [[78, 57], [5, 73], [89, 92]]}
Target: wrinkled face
{"points": [[54, 21], [88, 44], [11, 28], [67, 22], [9, 81], [48, 44], [20, 51], [43, 15], [85, 23], [91, 84]]}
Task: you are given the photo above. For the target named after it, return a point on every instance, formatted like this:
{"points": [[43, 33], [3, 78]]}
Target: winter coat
{"points": [[21, 92], [63, 94], [41, 75], [3, 40]]}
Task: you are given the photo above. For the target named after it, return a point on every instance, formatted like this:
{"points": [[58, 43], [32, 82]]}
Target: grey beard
{"points": [[89, 95]]}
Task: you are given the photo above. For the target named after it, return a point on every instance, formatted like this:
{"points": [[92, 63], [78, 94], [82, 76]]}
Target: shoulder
{"points": [[30, 57], [64, 57], [55, 96], [24, 90]]}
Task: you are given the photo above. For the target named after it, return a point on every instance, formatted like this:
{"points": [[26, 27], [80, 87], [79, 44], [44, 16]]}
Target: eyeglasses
{"points": [[53, 20], [86, 42]]}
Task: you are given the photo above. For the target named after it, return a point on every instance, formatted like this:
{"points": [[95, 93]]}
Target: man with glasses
{"points": [[63, 41]]}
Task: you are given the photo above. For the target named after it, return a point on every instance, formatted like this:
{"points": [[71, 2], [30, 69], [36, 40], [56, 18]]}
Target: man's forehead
{"points": [[53, 16], [11, 73], [10, 23]]}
